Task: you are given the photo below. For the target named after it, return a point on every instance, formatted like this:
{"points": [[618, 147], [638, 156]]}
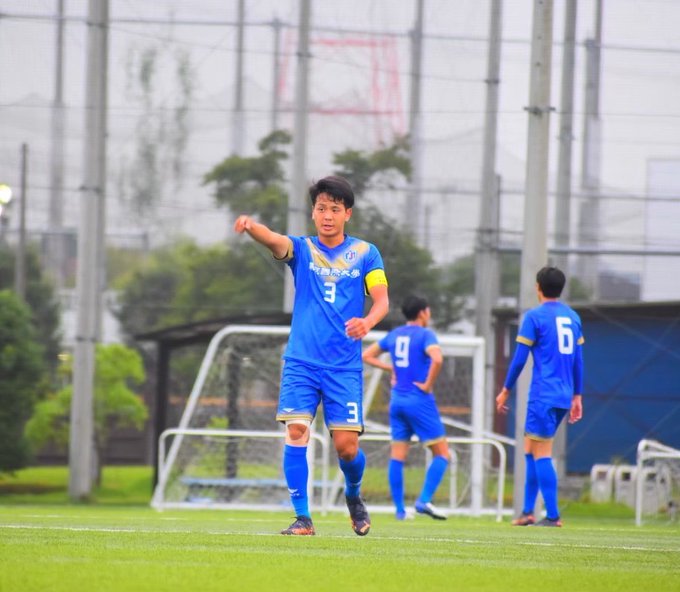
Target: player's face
{"points": [[329, 218]]}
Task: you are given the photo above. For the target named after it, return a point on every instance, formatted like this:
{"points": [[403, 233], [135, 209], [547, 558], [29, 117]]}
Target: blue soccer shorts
{"points": [[417, 414], [304, 386], [542, 420]]}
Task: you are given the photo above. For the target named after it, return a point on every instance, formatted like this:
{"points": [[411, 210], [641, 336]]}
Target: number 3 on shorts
{"points": [[353, 416]]}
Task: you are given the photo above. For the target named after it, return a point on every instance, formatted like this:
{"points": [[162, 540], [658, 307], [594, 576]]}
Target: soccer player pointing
{"points": [[322, 361], [552, 333]]}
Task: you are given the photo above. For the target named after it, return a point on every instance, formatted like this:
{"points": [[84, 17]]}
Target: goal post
{"points": [[657, 479], [227, 449]]}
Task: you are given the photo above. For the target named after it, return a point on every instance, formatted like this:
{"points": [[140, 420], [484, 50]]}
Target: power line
{"points": [[326, 29]]}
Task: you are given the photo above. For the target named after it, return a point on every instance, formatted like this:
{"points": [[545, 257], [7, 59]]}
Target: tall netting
{"points": [[227, 450]]}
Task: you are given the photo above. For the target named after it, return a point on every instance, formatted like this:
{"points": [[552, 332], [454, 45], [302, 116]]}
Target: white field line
{"points": [[558, 544]]}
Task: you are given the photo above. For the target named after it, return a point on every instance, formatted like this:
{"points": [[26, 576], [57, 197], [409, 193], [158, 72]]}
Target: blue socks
{"points": [[433, 477], [395, 475], [354, 473], [530, 485], [547, 480], [297, 473]]}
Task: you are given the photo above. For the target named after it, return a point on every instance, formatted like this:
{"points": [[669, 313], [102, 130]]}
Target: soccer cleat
{"points": [[405, 515], [430, 510], [358, 515], [302, 527], [524, 519], [548, 522]]}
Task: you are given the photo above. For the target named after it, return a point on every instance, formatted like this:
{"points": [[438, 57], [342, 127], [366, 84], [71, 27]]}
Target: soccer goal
{"points": [[227, 450], [657, 480]]}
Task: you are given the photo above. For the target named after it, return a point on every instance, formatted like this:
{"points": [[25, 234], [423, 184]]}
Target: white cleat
{"points": [[430, 510]]}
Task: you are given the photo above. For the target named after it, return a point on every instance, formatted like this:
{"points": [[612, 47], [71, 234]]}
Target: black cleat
{"points": [[358, 515], [302, 527], [549, 522]]}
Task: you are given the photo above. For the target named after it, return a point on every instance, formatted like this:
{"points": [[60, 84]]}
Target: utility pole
{"points": [[81, 445], [238, 124], [56, 250], [589, 220], [535, 244], [296, 219], [414, 211], [486, 256], [276, 74], [563, 198], [20, 265]]}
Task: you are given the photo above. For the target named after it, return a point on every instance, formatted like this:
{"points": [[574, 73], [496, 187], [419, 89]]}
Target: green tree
{"points": [[185, 283], [117, 368], [255, 184], [21, 374], [461, 275], [410, 268], [44, 306], [385, 166]]}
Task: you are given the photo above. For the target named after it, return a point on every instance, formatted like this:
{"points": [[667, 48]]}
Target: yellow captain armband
{"points": [[375, 278]]}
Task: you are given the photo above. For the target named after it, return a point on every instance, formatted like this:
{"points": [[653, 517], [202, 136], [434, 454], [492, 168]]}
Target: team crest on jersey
{"points": [[350, 256]]}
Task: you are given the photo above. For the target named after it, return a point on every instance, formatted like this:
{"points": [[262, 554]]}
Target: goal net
{"points": [[657, 481], [227, 450]]}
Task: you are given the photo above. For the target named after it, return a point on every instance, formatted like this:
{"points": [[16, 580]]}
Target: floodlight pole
{"points": [[296, 219], [82, 455], [534, 248]]}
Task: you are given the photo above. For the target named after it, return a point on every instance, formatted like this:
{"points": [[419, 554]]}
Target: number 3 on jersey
{"points": [[565, 336], [329, 294]]}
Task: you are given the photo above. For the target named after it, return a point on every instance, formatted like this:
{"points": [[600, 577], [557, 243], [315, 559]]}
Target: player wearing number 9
{"points": [[333, 273], [552, 333]]}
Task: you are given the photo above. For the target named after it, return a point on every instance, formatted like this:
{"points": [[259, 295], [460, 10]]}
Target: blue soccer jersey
{"points": [[407, 346], [412, 411], [553, 333], [330, 288]]}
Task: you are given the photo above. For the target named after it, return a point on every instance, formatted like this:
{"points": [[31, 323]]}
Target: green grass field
{"points": [[118, 543]]}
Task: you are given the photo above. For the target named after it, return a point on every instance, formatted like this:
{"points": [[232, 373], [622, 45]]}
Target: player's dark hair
{"points": [[551, 281], [412, 306], [336, 187]]}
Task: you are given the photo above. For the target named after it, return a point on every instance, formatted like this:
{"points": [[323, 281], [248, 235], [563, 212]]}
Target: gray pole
{"points": [[563, 198], [56, 238], [296, 219], [535, 245], [238, 120], [276, 73], [413, 210], [589, 219], [81, 445], [20, 265], [486, 257]]}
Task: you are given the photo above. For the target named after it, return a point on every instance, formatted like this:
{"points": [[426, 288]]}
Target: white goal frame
{"points": [[451, 345], [649, 450]]}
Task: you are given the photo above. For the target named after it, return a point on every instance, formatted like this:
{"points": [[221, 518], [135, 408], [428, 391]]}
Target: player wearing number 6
{"points": [[322, 361], [552, 333]]}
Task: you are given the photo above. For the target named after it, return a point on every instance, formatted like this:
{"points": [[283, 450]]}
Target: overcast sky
{"points": [[355, 69]]}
